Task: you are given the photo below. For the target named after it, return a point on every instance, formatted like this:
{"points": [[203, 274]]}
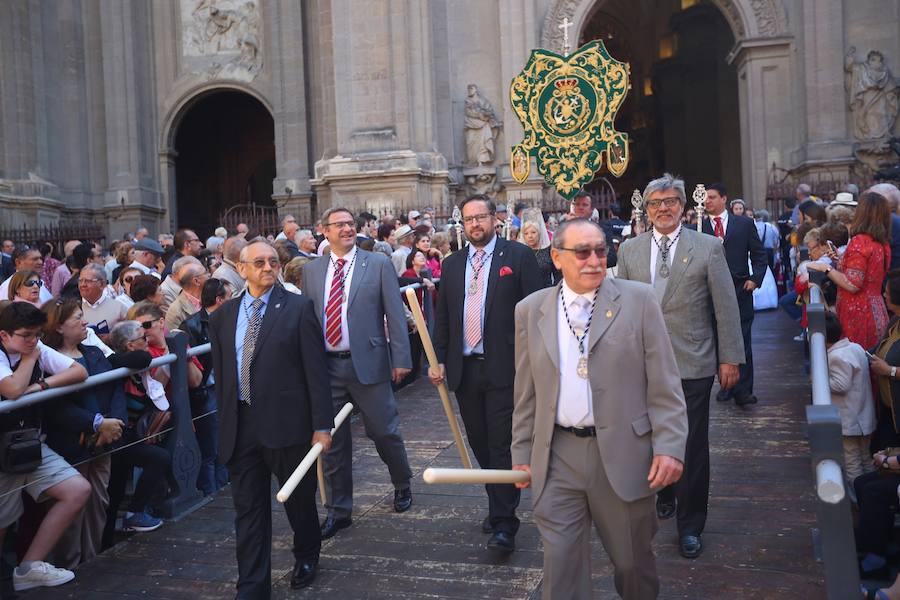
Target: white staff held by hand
{"points": [[297, 476]]}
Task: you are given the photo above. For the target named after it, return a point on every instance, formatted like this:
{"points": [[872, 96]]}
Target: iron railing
{"points": [[833, 539]]}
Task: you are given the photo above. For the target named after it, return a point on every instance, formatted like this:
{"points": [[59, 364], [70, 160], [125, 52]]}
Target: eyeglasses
{"points": [[29, 337], [86, 280], [33, 283], [670, 202], [585, 253], [342, 224], [260, 263], [193, 240], [480, 218]]}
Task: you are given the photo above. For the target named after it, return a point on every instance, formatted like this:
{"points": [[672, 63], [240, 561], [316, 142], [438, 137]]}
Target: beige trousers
{"points": [[857, 458], [82, 539], [576, 495]]}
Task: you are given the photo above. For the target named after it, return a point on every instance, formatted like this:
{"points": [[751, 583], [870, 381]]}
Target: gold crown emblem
{"points": [[566, 85]]}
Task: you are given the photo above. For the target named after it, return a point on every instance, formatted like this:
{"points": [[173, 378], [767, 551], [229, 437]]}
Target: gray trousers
{"points": [[378, 408], [576, 494]]}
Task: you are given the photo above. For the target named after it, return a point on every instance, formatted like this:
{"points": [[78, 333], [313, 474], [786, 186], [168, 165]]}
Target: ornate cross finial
{"points": [[565, 27], [637, 202], [699, 198], [457, 219]]}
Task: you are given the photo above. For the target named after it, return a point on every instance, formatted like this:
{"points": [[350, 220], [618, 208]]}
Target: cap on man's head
{"points": [[403, 231], [413, 214], [844, 199], [149, 245], [501, 208]]}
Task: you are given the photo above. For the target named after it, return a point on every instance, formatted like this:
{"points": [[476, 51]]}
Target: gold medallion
{"points": [[582, 369]]}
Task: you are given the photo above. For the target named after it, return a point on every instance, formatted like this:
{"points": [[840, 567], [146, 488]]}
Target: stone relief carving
{"points": [[874, 95], [482, 127], [221, 38]]}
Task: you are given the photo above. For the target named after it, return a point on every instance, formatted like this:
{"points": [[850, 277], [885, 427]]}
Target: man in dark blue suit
{"points": [[742, 248], [274, 401], [7, 266]]}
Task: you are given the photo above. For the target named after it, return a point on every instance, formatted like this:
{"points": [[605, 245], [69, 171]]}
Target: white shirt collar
{"points": [[488, 248], [658, 236], [723, 216], [347, 257], [569, 295], [100, 300]]}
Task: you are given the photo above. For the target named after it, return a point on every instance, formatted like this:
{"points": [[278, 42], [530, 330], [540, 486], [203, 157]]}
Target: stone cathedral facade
{"points": [[162, 113]]}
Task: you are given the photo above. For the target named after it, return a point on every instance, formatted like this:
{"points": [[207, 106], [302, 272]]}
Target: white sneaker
{"points": [[42, 574]]}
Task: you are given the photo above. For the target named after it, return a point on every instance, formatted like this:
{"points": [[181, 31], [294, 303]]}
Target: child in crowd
{"points": [[27, 365], [851, 392]]}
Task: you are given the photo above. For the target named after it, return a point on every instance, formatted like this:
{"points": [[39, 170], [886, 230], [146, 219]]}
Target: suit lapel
{"points": [[642, 250], [359, 272], [549, 327], [606, 311], [319, 269], [683, 256], [273, 315], [500, 250], [229, 330]]}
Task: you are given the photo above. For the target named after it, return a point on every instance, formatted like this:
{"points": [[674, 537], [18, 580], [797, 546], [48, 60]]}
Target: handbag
{"points": [[151, 423], [20, 451]]}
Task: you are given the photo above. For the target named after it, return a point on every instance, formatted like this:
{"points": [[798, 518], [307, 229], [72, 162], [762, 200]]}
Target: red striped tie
{"points": [[333, 308]]}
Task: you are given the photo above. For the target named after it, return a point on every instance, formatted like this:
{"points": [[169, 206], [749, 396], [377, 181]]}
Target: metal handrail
{"points": [[834, 536]]}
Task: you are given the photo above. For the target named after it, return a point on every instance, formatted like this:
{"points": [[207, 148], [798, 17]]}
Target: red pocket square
{"points": [[504, 271]]}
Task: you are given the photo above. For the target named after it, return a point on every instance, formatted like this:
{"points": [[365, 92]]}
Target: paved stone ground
{"points": [[758, 541]]}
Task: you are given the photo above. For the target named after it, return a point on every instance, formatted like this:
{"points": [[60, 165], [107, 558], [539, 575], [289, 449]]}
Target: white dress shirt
{"points": [[574, 407], [654, 249], [144, 269], [349, 266], [724, 217]]}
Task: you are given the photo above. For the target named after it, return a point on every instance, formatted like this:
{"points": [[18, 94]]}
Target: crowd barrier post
{"points": [[833, 540]]}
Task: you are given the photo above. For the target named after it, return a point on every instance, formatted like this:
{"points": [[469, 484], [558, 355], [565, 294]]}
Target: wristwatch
{"points": [[43, 383]]}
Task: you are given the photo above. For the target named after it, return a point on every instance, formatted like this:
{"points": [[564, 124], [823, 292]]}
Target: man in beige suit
{"points": [[599, 418], [690, 276]]}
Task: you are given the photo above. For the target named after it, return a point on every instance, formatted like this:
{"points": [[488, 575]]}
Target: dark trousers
{"points": [[877, 497], [692, 490], [206, 426], [487, 414], [155, 463], [744, 385], [788, 304], [251, 467]]}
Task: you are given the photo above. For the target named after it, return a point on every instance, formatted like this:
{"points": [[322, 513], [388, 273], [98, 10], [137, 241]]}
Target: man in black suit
{"points": [[742, 245], [7, 265], [274, 401], [474, 341]]}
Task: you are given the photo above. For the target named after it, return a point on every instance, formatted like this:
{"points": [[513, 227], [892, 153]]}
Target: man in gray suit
{"points": [[354, 291], [690, 277], [599, 418]]}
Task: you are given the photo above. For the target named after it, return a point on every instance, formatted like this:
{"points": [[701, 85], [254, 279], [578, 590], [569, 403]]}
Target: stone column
{"points": [[384, 110], [291, 188], [132, 198], [827, 139], [766, 116]]}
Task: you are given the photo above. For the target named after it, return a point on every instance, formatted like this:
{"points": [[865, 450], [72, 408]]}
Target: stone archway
{"points": [[762, 58]]}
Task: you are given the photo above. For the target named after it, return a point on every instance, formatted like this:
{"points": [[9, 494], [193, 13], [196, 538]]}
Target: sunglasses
{"points": [[149, 324], [33, 283], [585, 253]]}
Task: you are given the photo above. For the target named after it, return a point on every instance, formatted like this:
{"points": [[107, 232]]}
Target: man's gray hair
{"points": [[805, 189], [889, 191], [182, 271], [99, 271], [302, 234], [763, 215], [232, 247], [287, 218], [666, 182], [559, 236], [122, 333]]}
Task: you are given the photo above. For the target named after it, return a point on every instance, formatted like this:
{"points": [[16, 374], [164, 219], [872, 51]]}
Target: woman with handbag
{"points": [[144, 396], [82, 428]]}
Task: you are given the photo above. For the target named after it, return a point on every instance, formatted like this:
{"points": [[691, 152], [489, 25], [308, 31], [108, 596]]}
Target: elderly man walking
{"points": [[599, 417], [690, 277]]}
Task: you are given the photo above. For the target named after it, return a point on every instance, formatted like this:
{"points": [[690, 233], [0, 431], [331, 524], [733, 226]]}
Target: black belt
{"points": [[345, 354], [475, 356], [579, 431]]}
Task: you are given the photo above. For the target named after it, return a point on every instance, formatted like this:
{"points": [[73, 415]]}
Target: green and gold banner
{"points": [[568, 107]]}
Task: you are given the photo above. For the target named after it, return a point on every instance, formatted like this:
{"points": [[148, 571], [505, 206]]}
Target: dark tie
{"points": [[253, 323], [662, 267]]}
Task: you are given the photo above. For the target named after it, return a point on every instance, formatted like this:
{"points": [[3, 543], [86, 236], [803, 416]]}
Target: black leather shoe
{"points": [[664, 510], [751, 399], [690, 546], [502, 542], [331, 526], [402, 500], [303, 574], [486, 525], [723, 396]]}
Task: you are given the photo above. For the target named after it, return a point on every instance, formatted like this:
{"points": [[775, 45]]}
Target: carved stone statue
{"points": [[482, 127], [222, 38], [874, 95]]}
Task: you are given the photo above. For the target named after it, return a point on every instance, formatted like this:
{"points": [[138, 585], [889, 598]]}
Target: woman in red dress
{"points": [[861, 272]]}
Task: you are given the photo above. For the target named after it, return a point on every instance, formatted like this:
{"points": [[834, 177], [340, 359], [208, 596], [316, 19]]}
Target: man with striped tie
{"points": [[474, 341], [274, 404], [354, 292]]}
